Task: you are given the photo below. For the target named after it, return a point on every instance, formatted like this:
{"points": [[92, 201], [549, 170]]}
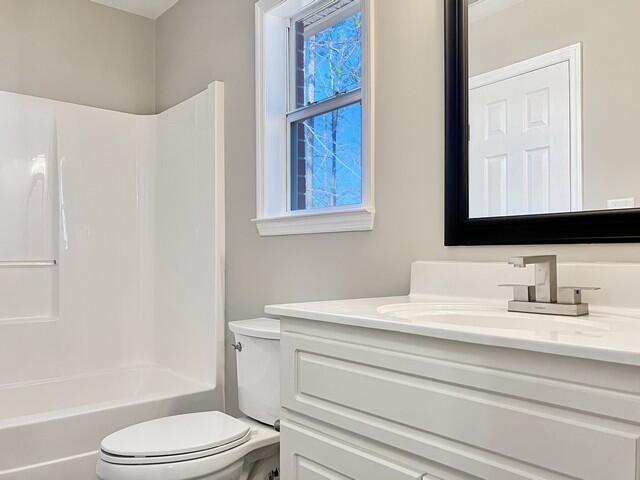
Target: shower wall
{"points": [[128, 209], [184, 251], [73, 169]]}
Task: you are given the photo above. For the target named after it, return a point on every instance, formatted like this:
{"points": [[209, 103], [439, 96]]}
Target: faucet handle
{"points": [[573, 295], [522, 292]]}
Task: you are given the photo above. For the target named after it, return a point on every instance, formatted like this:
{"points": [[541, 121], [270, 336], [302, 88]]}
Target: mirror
{"points": [[551, 106]]}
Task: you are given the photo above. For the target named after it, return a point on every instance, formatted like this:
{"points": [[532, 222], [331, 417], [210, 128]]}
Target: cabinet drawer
{"points": [[309, 455], [364, 390]]}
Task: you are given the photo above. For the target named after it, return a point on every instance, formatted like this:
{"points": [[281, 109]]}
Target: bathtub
{"points": [[52, 429]]}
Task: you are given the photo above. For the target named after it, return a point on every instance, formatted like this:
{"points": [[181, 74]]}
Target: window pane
{"points": [[326, 166], [329, 61]]}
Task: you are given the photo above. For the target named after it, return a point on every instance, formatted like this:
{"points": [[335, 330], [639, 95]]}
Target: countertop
{"points": [[606, 334]]}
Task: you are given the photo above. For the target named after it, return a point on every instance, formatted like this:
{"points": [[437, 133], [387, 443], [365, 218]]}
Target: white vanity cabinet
{"points": [[315, 455], [371, 404]]}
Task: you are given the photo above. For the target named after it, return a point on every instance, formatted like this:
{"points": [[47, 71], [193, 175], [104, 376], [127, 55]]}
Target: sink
{"points": [[494, 320], [459, 301]]}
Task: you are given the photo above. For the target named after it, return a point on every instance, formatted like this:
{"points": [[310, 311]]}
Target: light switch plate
{"points": [[621, 203]]}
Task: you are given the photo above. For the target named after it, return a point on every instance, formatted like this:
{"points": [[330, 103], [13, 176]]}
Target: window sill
{"points": [[322, 221]]}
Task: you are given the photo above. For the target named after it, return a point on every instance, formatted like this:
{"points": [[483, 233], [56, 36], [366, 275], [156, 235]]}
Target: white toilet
{"points": [[211, 445]]}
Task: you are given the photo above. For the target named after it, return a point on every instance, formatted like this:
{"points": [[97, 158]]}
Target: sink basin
{"points": [[495, 320]]}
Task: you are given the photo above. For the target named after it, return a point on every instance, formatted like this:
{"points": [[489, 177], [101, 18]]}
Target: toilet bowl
{"points": [[210, 445]]}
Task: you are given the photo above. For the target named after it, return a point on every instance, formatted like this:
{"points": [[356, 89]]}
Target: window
{"points": [[326, 125], [314, 116]]}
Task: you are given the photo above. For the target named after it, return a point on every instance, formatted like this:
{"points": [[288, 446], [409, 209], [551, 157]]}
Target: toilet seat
{"points": [[112, 467], [175, 439], [156, 460]]}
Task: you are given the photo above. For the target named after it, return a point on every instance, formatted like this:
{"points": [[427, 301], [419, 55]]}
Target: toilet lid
{"points": [[177, 435]]}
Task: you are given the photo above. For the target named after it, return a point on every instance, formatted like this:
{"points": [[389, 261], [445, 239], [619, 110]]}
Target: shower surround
{"points": [[111, 274]]}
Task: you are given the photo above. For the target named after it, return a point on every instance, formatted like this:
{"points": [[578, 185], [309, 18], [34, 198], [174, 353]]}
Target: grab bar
{"points": [[27, 263]]}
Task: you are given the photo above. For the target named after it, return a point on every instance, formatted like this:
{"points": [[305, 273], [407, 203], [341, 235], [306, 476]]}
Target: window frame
{"points": [[275, 25]]}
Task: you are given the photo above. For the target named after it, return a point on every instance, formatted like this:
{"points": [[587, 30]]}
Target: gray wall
{"points": [[611, 106], [77, 51], [202, 40]]}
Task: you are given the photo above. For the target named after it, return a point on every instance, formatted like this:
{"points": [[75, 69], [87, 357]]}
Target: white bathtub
{"points": [[52, 429]]}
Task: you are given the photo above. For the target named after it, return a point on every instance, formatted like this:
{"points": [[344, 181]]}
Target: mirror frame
{"points": [[601, 226]]}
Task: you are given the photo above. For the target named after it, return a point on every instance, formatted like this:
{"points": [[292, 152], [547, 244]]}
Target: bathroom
{"points": [[145, 128]]}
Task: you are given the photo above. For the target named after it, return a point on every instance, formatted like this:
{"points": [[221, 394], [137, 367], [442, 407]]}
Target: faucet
{"points": [[546, 279], [545, 296]]}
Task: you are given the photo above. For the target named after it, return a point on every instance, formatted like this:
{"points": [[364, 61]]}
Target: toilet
{"points": [[211, 445]]}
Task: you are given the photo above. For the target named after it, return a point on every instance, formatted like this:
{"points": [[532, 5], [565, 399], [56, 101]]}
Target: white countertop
{"points": [[606, 334]]}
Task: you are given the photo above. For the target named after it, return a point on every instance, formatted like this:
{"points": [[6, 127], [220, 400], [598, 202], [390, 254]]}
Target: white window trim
{"points": [[272, 163]]}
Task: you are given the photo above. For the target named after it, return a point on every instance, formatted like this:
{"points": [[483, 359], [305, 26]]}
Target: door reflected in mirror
{"points": [[553, 106]]}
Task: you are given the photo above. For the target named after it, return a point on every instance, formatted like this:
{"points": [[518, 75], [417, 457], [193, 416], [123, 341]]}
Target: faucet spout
{"points": [[546, 275], [543, 297]]}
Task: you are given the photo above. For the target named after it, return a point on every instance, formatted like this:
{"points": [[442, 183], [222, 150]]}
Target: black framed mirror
{"points": [[535, 152]]}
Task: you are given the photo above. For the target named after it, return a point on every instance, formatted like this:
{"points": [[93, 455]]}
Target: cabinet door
{"points": [[466, 426], [309, 455]]}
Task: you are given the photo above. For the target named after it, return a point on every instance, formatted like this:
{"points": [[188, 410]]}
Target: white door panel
{"points": [[519, 151]]}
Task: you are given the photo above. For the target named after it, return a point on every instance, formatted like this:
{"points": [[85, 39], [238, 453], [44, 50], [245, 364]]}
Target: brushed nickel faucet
{"points": [[544, 296], [546, 278]]}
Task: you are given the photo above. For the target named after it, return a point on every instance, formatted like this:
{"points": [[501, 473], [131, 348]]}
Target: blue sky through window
{"points": [[333, 60], [333, 140]]}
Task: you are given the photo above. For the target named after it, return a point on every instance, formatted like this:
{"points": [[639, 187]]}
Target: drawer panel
{"points": [[306, 469], [561, 442], [309, 455]]}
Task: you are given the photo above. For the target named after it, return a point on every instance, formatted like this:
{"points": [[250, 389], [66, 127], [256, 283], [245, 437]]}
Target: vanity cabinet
{"points": [[313, 455], [362, 403]]}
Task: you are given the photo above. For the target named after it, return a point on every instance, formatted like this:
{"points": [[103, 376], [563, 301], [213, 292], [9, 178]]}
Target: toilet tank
{"points": [[257, 345]]}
